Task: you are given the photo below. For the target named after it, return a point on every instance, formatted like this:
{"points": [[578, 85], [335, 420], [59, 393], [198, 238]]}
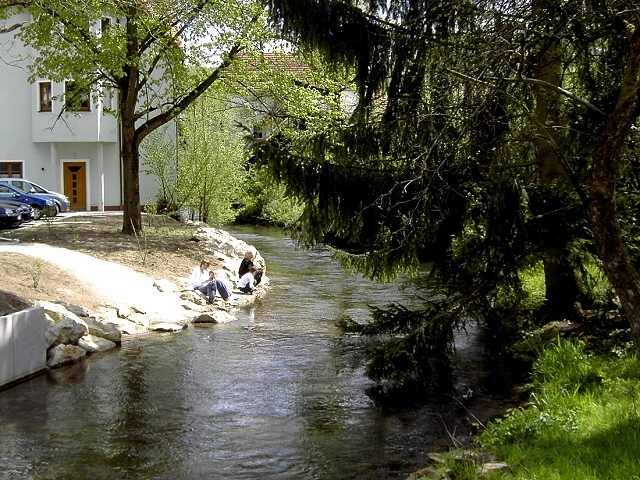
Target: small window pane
{"points": [[45, 96], [11, 169], [105, 24]]}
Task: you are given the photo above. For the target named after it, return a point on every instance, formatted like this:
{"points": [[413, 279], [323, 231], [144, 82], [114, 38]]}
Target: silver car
{"points": [[61, 202]]}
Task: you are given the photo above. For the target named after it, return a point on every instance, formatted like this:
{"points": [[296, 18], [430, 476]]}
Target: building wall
{"points": [[42, 141]]}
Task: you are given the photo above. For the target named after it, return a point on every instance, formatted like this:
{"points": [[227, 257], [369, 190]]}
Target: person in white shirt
{"points": [[199, 275], [203, 280], [247, 283]]}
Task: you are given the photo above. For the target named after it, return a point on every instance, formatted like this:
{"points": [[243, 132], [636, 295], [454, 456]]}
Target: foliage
{"points": [[208, 174], [266, 201], [413, 346], [579, 422], [156, 55], [476, 144], [292, 95]]}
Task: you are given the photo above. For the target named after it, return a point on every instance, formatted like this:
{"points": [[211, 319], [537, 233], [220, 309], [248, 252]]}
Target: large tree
{"points": [[489, 135], [157, 55]]}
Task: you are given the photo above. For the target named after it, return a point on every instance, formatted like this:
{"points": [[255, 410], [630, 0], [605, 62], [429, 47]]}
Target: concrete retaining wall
{"points": [[23, 346]]}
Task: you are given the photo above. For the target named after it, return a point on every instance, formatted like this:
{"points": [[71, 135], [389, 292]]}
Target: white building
{"points": [[76, 152]]}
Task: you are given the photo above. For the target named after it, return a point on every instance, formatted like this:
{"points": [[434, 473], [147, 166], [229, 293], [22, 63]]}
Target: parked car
{"points": [[41, 205], [10, 216], [25, 210], [27, 186]]}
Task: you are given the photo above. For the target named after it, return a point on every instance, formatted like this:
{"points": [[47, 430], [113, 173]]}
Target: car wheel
{"points": [[37, 213], [56, 209]]}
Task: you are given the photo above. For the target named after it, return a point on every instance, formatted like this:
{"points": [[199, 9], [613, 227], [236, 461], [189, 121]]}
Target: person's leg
{"points": [[222, 289]]}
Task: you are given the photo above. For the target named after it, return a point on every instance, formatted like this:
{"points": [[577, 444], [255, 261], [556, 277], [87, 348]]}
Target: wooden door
{"points": [[75, 184]]}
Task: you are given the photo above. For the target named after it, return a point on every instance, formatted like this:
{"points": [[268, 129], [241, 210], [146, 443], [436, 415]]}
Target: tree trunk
{"points": [[132, 218], [561, 284], [128, 87], [602, 191]]}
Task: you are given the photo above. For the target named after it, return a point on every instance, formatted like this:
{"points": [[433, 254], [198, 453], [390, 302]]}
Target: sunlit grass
{"points": [[582, 421]]}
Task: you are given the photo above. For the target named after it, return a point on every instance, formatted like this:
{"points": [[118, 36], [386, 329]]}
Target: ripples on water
{"points": [[278, 394]]}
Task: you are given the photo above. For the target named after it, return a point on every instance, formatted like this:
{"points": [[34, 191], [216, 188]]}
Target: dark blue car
{"points": [[42, 206]]}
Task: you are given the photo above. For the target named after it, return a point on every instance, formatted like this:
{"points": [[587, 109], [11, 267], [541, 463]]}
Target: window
{"points": [[11, 169], [76, 97], [44, 96], [107, 98], [105, 25]]}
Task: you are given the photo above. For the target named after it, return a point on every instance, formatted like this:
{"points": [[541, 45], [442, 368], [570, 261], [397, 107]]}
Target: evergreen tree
{"points": [[489, 136]]}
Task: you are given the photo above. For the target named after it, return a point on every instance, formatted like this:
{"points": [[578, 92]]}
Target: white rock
{"points": [[124, 311], [79, 310], [129, 328], [217, 240], [139, 318], [219, 316], [193, 297], [64, 354], [55, 310], [192, 306], [164, 285], [105, 328], [67, 330], [93, 344], [166, 327]]}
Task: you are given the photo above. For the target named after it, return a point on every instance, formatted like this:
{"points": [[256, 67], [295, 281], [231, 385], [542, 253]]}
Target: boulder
{"points": [[79, 310], [93, 344], [192, 306], [166, 327], [124, 311], [139, 318], [126, 327], [104, 327], [64, 328], [217, 240], [218, 316], [55, 310], [66, 332], [193, 297], [165, 286], [64, 354]]}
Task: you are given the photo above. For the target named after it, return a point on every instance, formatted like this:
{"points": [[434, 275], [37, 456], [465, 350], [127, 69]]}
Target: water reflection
{"points": [[277, 395]]}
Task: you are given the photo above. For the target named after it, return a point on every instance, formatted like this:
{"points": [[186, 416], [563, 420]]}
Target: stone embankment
{"points": [[136, 304]]}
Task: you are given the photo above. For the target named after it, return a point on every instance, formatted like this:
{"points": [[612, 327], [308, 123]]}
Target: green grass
{"points": [[532, 279], [582, 420]]}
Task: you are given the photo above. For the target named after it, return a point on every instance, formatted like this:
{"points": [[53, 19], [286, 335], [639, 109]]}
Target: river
{"points": [[279, 394]]}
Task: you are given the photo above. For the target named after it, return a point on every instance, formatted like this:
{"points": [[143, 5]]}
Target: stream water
{"points": [[279, 394]]}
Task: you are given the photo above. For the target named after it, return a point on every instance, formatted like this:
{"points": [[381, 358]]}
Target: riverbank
{"points": [[580, 423], [580, 414], [86, 298]]}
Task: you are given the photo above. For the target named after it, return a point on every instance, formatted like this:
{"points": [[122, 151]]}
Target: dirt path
{"points": [[112, 283]]}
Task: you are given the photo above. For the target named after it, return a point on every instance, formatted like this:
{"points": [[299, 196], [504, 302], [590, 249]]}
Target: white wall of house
{"points": [[43, 140]]}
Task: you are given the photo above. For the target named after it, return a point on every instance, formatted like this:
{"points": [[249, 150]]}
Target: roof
{"points": [[278, 61]]}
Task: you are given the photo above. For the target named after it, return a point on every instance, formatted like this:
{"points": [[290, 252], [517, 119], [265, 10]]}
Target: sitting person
{"points": [[247, 282], [203, 280], [245, 266], [199, 275]]}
